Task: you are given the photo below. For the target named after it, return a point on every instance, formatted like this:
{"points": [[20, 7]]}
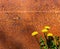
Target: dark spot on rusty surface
{"points": [[14, 45], [2, 37], [2, 6], [28, 29], [36, 0]]}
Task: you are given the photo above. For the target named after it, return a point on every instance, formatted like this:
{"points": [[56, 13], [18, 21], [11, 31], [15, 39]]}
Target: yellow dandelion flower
{"points": [[34, 33], [49, 34], [44, 30], [47, 27]]}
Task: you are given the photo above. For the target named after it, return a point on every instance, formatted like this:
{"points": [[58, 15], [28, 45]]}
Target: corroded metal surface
{"points": [[19, 18]]}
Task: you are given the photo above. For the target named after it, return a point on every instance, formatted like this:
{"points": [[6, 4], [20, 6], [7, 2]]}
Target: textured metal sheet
{"points": [[19, 18]]}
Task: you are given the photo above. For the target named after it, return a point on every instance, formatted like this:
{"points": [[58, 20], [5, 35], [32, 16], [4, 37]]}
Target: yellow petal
{"points": [[49, 34], [34, 33], [47, 27], [44, 30]]}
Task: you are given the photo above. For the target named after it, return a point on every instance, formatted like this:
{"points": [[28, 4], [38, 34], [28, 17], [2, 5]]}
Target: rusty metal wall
{"points": [[19, 18]]}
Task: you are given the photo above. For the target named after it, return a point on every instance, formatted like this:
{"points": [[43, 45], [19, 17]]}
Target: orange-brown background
{"points": [[19, 18]]}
